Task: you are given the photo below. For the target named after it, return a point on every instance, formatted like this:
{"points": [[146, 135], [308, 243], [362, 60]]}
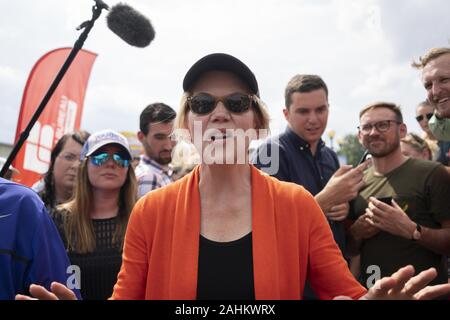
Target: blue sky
{"points": [[363, 50]]}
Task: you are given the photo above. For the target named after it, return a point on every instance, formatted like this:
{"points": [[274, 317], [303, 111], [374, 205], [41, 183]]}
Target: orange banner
{"points": [[61, 115]]}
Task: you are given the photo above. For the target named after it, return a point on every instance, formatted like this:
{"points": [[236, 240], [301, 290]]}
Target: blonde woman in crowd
{"points": [[93, 224]]}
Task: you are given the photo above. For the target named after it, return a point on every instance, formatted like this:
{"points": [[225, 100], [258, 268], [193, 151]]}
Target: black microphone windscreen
{"points": [[134, 28]]}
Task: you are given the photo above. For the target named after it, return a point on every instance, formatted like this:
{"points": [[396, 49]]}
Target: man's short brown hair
{"points": [[303, 83], [388, 105], [429, 56]]}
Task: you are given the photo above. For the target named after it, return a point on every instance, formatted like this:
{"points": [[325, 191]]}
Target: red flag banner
{"points": [[61, 115]]}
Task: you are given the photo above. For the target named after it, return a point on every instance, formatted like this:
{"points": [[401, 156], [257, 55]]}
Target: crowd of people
{"points": [[287, 221]]}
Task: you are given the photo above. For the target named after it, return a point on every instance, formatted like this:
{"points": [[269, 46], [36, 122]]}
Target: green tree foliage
{"points": [[351, 149]]}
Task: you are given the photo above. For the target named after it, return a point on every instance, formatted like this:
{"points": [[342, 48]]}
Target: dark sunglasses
{"points": [[421, 117], [204, 103], [100, 159]]}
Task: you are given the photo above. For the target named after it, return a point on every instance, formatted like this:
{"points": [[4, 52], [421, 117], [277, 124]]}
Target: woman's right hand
{"points": [[58, 292]]}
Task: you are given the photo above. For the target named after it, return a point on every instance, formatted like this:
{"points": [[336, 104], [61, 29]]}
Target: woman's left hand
{"points": [[403, 285]]}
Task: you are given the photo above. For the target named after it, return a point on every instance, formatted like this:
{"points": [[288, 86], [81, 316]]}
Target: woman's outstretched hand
{"points": [[58, 292], [403, 285]]}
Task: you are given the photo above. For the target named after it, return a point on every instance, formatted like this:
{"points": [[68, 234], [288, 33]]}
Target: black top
{"points": [[225, 270], [99, 268]]}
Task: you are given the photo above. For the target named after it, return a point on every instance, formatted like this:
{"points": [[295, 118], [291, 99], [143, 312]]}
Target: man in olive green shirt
{"points": [[409, 223]]}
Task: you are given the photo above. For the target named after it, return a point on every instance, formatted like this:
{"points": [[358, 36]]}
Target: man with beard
{"points": [[403, 213], [435, 65], [156, 125]]}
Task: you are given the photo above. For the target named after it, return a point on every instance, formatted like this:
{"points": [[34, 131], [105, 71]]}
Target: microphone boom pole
{"points": [[87, 26]]}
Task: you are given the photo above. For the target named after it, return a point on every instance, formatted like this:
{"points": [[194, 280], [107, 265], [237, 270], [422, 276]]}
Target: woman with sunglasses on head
{"points": [[424, 112], [440, 149], [92, 225], [59, 182], [227, 230]]}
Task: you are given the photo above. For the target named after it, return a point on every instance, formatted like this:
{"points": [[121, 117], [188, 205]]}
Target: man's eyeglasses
{"points": [[204, 103], [381, 126], [421, 117], [101, 158]]}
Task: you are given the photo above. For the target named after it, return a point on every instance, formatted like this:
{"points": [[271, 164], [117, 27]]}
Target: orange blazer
{"points": [[292, 242]]}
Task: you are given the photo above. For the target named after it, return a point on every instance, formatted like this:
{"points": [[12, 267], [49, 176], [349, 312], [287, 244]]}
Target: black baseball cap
{"points": [[222, 62]]}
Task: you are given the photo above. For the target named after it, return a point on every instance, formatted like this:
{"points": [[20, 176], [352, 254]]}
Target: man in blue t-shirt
{"points": [[31, 250]]}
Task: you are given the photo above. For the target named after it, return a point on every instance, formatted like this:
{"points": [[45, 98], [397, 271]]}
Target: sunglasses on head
{"points": [[204, 103], [101, 158], [421, 117]]}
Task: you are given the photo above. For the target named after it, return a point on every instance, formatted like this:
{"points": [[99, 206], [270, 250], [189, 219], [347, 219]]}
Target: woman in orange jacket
{"points": [[227, 230]]}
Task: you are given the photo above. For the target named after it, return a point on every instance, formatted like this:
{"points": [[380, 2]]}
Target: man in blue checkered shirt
{"points": [[156, 125]]}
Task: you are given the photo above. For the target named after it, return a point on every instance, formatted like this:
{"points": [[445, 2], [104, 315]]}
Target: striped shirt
{"points": [[151, 175]]}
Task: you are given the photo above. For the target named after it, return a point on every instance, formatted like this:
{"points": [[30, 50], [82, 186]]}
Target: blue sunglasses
{"points": [[101, 158]]}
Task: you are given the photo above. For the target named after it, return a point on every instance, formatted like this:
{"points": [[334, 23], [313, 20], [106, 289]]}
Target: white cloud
{"points": [[361, 48], [382, 81], [8, 74]]}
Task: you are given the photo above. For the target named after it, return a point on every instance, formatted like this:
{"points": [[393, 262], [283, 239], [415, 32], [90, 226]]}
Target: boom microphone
{"points": [[127, 23], [131, 26]]}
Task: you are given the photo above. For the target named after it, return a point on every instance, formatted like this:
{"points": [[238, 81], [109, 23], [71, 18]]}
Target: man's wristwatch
{"points": [[417, 234]]}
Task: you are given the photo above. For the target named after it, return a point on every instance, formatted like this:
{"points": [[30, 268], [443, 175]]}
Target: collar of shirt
{"points": [[163, 169], [300, 143]]}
